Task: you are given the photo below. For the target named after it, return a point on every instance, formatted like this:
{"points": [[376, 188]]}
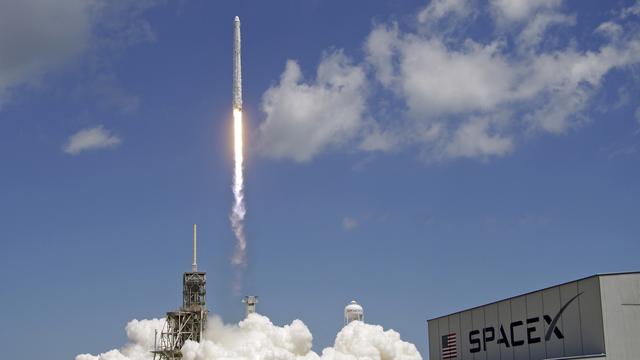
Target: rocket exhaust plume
{"points": [[238, 211], [257, 337]]}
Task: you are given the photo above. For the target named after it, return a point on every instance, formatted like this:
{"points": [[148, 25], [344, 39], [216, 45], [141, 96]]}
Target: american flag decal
{"points": [[449, 350]]}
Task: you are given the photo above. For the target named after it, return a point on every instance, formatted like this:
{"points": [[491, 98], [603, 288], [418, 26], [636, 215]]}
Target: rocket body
{"points": [[237, 68]]}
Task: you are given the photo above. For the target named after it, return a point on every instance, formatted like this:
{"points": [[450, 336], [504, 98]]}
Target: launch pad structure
{"points": [[189, 322]]}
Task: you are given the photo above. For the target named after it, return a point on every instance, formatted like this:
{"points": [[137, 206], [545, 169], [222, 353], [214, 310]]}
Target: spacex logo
{"points": [[508, 338]]}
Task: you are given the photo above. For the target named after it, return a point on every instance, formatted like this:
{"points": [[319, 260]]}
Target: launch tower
{"points": [[189, 322]]}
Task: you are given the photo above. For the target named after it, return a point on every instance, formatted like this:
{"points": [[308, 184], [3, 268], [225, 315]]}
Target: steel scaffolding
{"points": [[189, 322]]}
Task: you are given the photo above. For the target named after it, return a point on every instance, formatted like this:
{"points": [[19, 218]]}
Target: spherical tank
{"points": [[353, 311]]}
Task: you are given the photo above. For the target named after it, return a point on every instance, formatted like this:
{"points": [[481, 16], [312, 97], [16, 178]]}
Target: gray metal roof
{"points": [[531, 292]]}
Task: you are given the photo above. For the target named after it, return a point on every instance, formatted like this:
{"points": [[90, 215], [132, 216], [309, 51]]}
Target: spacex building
{"points": [[597, 317]]}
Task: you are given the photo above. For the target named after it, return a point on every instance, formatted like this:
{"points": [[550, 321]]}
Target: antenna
{"points": [[194, 266]]}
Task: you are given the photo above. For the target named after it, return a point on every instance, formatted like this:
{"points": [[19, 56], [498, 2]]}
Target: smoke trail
{"points": [[238, 211]]}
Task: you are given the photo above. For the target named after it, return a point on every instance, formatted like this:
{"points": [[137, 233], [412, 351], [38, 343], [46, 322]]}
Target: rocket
{"points": [[238, 210], [237, 71]]}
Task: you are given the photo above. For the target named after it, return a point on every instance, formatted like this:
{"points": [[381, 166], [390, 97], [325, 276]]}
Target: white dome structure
{"points": [[353, 311]]}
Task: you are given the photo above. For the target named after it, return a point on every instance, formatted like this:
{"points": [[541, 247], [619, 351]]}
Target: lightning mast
{"points": [[194, 264]]}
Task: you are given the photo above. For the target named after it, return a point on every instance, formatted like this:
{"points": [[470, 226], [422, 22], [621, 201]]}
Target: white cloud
{"points": [[436, 81], [438, 9], [533, 32], [637, 114], [631, 10], [518, 10], [376, 139], [564, 81], [349, 223], [120, 24], [40, 36], [90, 139], [609, 29], [439, 83], [305, 118], [452, 96], [439, 86], [381, 48], [37, 35], [476, 138]]}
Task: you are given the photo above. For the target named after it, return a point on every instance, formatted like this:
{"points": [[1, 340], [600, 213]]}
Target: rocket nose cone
{"points": [[236, 19]]}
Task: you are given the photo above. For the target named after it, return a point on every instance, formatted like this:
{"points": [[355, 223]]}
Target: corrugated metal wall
{"points": [[522, 318], [621, 310]]}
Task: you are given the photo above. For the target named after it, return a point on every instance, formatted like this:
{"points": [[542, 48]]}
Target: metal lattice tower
{"points": [[189, 322]]}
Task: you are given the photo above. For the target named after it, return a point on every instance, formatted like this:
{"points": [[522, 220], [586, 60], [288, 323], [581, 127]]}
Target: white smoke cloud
{"points": [[253, 338], [363, 341], [257, 338], [141, 334]]}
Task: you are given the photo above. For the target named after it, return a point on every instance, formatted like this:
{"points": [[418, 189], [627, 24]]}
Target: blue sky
{"points": [[418, 157]]}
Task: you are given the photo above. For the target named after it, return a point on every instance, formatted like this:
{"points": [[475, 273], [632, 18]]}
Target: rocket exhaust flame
{"points": [[239, 259], [238, 212]]}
